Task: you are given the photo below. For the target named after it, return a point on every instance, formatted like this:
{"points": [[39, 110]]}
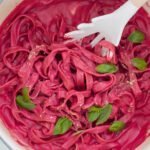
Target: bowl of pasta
{"points": [[61, 94]]}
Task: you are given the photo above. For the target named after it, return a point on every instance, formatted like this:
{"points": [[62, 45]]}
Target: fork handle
{"points": [[138, 3]]}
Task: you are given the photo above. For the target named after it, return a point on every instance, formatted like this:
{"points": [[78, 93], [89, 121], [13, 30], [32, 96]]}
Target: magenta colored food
{"points": [[62, 80]]}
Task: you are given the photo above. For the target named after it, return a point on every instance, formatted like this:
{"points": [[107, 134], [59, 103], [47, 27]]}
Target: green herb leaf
{"points": [[93, 113], [62, 126], [139, 63], [104, 114], [106, 68], [136, 37], [26, 105], [117, 126], [25, 93]]}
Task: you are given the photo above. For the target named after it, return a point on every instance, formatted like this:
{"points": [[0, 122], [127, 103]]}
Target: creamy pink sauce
{"points": [[62, 79]]}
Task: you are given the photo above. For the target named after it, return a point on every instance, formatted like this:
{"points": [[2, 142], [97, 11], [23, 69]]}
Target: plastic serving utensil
{"points": [[109, 26]]}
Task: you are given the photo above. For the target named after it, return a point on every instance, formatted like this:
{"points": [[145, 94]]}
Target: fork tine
{"points": [[85, 26], [72, 33], [96, 40], [95, 19], [79, 34], [75, 34], [99, 18], [85, 34]]}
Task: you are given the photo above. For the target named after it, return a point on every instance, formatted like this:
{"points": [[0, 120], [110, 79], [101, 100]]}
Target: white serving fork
{"points": [[109, 26]]}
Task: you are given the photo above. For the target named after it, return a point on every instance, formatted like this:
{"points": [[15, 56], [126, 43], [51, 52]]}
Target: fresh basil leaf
{"points": [[117, 126], [136, 37], [93, 113], [107, 68], [25, 93], [104, 114], [62, 126], [139, 63], [26, 105]]}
